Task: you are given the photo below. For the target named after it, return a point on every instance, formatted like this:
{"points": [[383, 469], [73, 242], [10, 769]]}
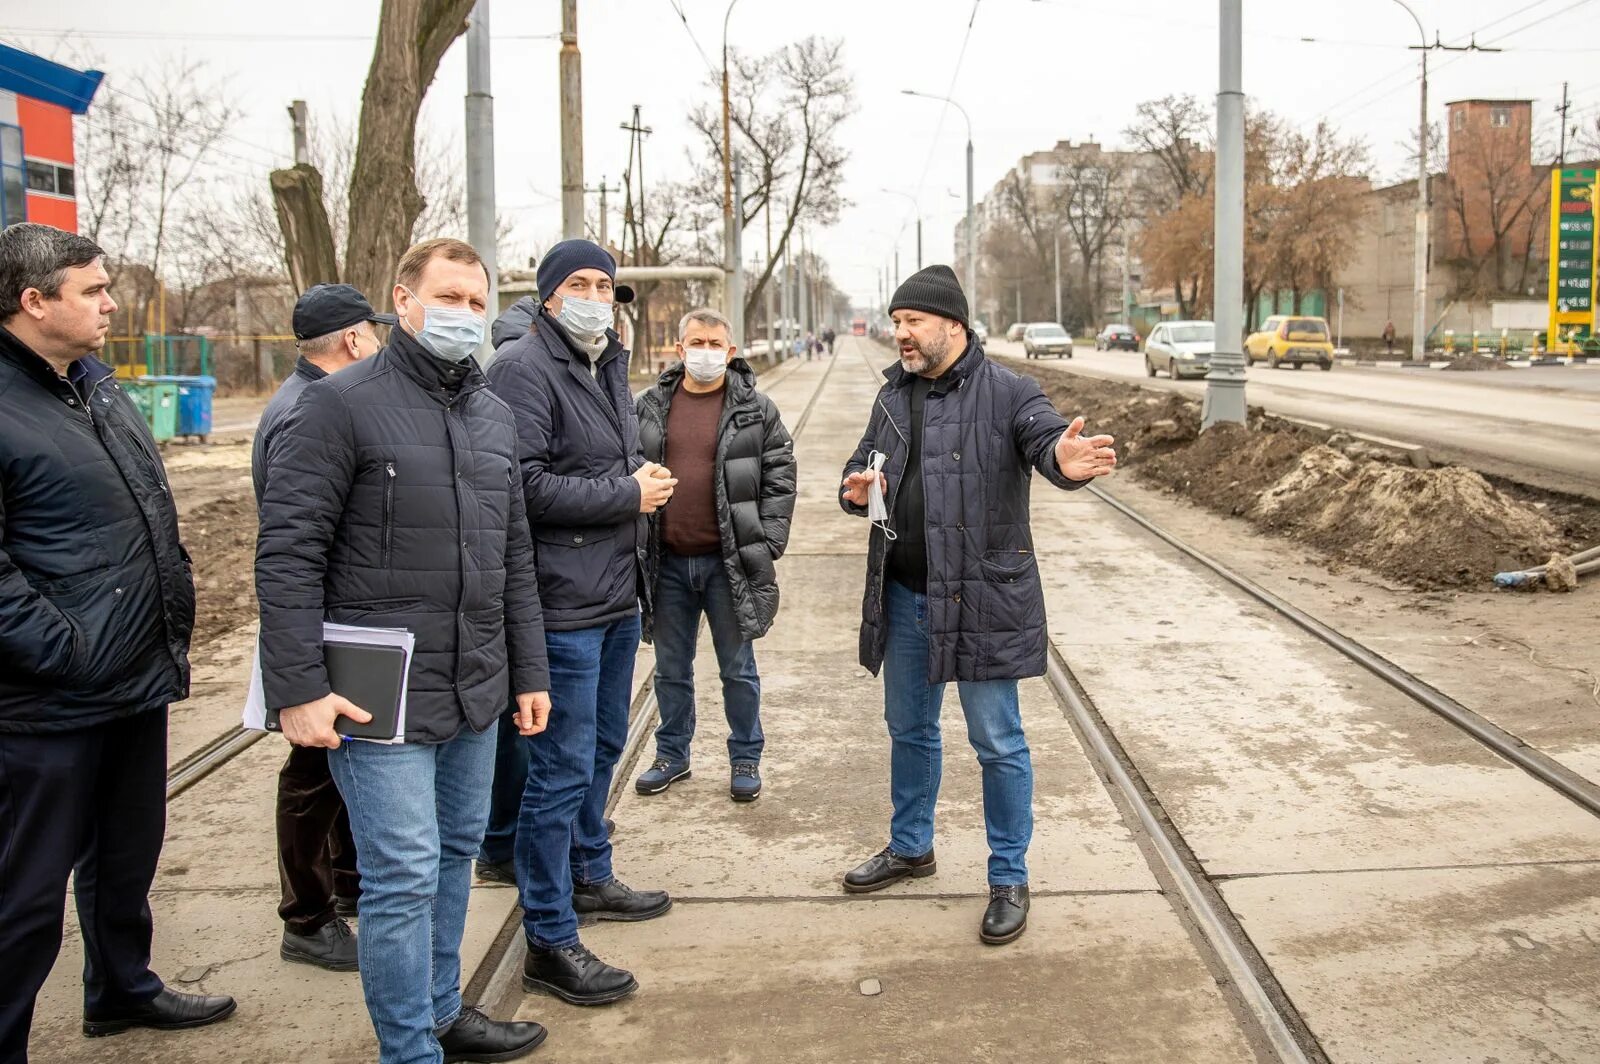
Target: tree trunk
{"points": [[303, 218], [384, 202]]}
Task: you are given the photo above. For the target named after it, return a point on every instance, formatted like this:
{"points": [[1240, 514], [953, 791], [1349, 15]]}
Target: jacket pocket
{"points": [[576, 565], [386, 533], [1006, 566]]}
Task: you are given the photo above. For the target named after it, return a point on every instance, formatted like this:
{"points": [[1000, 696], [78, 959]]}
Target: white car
{"points": [[981, 331], [1180, 348], [1046, 338]]}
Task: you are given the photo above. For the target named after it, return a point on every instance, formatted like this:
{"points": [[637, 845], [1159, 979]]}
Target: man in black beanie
{"points": [[953, 589]]}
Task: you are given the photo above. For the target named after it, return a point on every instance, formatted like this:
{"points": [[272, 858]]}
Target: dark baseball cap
{"points": [[327, 308]]}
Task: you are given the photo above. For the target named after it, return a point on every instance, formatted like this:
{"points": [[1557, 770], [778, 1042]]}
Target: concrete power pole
{"points": [[1224, 399], [736, 256], [480, 157], [1058, 278], [571, 124], [302, 140]]}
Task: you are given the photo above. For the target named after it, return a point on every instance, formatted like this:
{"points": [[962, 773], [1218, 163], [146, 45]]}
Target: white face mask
{"points": [[453, 334], [705, 364], [588, 319], [877, 507]]}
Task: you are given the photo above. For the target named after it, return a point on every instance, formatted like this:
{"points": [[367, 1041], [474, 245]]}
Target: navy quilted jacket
{"points": [[985, 430], [392, 501]]}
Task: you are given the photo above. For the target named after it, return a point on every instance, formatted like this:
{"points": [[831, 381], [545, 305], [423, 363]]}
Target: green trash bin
{"points": [[157, 400]]}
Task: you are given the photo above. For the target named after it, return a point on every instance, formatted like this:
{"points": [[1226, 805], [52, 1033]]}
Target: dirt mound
{"points": [[1476, 363], [1423, 526], [1360, 503], [221, 537]]}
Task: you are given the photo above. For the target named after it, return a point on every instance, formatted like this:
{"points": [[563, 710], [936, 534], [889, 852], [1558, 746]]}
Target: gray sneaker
{"points": [[660, 775]]}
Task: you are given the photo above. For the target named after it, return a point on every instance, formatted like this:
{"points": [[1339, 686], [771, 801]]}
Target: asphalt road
{"points": [[1539, 426]]}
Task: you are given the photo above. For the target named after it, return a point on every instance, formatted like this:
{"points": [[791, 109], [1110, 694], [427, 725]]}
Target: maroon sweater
{"points": [[689, 521]]}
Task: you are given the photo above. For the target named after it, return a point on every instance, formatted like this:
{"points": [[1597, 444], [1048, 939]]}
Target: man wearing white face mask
{"points": [[587, 489], [711, 552], [393, 500]]}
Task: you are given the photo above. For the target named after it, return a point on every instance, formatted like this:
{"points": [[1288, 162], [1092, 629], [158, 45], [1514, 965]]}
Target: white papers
{"points": [[255, 703]]}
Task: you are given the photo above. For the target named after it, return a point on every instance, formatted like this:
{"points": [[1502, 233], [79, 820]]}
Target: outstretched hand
{"points": [[1083, 457]]}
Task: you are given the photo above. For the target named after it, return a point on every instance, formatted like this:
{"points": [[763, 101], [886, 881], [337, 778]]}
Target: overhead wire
{"points": [[950, 91]]}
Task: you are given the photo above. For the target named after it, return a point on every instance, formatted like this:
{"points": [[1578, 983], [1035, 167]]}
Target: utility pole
{"points": [[735, 293], [1566, 105], [602, 190], [1127, 292], [972, 219], [480, 158], [733, 285], [919, 241], [302, 141], [1224, 400], [1419, 294], [771, 277], [805, 287], [571, 124], [1058, 277]]}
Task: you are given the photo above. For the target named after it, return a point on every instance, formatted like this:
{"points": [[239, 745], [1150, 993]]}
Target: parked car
{"points": [[1180, 349], [981, 331], [1046, 338], [1291, 340], [1114, 337], [1014, 333]]}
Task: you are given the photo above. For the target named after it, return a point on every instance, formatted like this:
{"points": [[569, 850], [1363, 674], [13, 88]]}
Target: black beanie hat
{"points": [[570, 256], [934, 290]]}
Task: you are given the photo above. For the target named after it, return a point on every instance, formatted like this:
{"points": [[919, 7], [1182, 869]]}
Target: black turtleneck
{"points": [[429, 370]]}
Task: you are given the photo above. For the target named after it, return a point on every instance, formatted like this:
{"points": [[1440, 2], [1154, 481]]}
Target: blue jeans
{"points": [[417, 813], [561, 836], [686, 588], [994, 727], [505, 803]]}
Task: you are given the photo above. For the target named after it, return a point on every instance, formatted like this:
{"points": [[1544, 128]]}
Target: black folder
{"points": [[372, 677]]}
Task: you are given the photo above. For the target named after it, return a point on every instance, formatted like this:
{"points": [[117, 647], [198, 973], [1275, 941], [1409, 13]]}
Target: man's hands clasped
{"points": [[655, 486]]}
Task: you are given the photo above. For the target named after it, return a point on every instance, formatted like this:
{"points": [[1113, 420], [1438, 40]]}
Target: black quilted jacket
{"points": [[395, 502], [755, 485], [985, 430]]}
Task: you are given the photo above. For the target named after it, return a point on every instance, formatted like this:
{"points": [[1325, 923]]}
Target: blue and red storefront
{"points": [[38, 171]]}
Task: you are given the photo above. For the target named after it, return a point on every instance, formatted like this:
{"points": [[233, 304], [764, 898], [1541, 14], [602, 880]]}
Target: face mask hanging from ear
{"points": [[877, 509]]}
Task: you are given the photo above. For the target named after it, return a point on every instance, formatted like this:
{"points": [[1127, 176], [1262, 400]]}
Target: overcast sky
{"points": [[1033, 72]]}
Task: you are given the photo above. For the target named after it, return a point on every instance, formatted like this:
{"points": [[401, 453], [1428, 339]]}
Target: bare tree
{"points": [[1175, 131], [787, 109], [1093, 200], [1492, 199]]}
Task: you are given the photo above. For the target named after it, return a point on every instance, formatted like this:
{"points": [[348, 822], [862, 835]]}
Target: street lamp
{"points": [[917, 207], [1419, 293], [972, 222], [733, 287]]}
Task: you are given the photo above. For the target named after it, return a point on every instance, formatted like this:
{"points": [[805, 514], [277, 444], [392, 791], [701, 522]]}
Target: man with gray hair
{"points": [[317, 878], [96, 609], [712, 550]]}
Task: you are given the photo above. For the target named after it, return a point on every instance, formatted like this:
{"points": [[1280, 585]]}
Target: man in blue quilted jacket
{"points": [[953, 589]]}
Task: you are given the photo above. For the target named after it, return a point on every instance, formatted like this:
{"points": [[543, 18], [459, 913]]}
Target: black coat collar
{"points": [[85, 373], [434, 374], [741, 386]]}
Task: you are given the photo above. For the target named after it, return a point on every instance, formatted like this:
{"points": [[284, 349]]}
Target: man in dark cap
{"points": [[587, 487], [317, 877], [953, 588]]}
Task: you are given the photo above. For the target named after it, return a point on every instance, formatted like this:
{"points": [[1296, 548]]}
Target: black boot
{"points": [[331, 946], [496, 871], [167, 1011], [575, 975], [618, 901], [886, 868], [475, 1036], [1007, 915]]}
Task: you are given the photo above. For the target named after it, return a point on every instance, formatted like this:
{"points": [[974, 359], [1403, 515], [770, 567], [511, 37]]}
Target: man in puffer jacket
{"points": [[953, 588], [711, 551], [586, 489]]}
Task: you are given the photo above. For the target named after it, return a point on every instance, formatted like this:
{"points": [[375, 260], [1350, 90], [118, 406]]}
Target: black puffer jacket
{"points": [[579, 443], [985, 429], [755, 485], [392, 501], [96, 595]]}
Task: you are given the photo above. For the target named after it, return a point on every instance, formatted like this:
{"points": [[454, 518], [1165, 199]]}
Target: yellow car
{"points": [[1290, 340]]}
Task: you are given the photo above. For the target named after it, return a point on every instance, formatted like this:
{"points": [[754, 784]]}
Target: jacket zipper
{"points": [[388, 510]]}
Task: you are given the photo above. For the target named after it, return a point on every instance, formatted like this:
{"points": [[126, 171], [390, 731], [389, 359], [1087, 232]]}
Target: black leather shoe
{"points": [[497, 871], [331, 946], [167, 1011], [1007, 915], [611, 827], [475, 1036], [347, 905], [886, 868], [618, 901], [575, 975]]}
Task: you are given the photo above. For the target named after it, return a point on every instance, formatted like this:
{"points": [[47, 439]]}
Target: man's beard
{"points": [[921, 359]]}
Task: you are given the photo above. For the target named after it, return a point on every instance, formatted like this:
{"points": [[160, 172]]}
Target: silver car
{"points": [[1180, 349], [1046, 338]]}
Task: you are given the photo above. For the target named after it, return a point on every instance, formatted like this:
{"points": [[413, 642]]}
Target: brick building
{"points": [[38, 172]]}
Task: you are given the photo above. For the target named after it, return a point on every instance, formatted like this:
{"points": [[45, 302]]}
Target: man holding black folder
{"points": [[393, 501]]}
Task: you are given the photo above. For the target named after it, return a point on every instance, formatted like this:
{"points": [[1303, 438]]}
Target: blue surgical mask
{"points": [[449, 333], [587, 319]]}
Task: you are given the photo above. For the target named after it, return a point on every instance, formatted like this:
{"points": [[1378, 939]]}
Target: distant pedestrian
{"points": [[392, 500], [828, 337], [711, 552], [318, 884], [96, 610], [1388, 337], [585, 488], [953, 590]]}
